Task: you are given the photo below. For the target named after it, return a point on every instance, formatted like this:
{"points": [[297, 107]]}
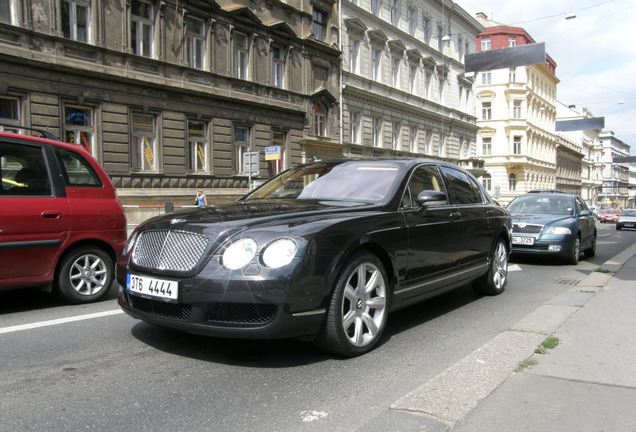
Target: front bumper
{"points": [[222, 303], [547, 246]]}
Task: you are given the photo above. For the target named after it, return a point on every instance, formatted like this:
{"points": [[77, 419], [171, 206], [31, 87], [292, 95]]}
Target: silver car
{"points": [[627, 219]]}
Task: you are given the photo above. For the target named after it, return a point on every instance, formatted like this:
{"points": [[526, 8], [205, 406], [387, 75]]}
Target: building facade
{"points": [[588, 139], [404, 92], [615, 191], [170, 96], [569, 163], [516, 115]]}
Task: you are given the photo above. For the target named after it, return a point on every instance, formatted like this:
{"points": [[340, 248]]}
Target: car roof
{"points": [[34, 139]]}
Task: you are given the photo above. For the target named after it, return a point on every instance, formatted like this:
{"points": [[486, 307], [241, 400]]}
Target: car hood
{"points": [[219, 222], [538, 219]]}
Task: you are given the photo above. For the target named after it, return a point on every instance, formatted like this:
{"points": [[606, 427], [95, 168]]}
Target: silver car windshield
{"points": [[351, 181]]}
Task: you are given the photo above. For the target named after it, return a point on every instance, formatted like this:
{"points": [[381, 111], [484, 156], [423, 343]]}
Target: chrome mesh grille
{"points": [[169, 250], [527, 229]]}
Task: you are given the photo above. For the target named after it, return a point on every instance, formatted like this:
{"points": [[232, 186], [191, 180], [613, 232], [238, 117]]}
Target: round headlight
{"points": [[239, 253], [279, 253]]}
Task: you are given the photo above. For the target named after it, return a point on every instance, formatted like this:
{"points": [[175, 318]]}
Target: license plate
{"points": [[528, 241], [167, 289], [628, 225]]}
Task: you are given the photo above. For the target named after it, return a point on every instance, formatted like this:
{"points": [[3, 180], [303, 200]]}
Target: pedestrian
{"points": [[201, 200]]}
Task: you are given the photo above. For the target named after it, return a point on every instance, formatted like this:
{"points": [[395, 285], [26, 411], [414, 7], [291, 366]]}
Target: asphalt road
{"points": [[93, 368]]}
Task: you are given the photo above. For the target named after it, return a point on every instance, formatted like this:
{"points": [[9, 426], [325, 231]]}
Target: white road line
{"points": [[58, 321]]}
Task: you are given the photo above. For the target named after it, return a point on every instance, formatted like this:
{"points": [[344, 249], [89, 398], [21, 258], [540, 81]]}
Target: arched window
{"points": [[320, 119], [512, 182]]}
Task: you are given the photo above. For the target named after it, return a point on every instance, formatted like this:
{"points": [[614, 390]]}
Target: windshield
{"points": [[631, 213], [368, 181], [541, 204]]}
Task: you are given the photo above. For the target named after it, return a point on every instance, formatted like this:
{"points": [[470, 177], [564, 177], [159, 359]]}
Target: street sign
{"points": [[250, 163], [272, 153]]}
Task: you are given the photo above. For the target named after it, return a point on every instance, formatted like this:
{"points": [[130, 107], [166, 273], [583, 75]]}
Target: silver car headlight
{"points": [[558, 231], [239, 254], [279, 253]]}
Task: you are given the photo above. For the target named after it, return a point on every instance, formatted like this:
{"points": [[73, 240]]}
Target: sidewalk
{"points": [[586, 383]]}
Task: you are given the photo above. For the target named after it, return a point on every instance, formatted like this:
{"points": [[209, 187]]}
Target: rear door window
{"points": [[24, 171]]}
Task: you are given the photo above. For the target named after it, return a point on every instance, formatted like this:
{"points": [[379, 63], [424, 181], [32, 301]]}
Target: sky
{"points": [[595, 52]]}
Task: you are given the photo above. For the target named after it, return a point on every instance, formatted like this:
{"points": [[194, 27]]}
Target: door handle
{"points": [[51, 214], [455, 215]]}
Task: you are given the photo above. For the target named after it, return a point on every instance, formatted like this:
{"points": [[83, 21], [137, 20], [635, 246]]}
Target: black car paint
{"points": [[458, 242]]}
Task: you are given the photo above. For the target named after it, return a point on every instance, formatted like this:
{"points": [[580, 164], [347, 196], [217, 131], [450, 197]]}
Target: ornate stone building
{"points": [[404, 91], [172, 95]]}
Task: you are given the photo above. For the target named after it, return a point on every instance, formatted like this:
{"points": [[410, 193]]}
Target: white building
{"points": [[404, 92], [615, 175], [516, 115]]}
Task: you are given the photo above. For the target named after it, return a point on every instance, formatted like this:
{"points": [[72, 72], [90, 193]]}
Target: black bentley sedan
{"points": [[323, 251]]}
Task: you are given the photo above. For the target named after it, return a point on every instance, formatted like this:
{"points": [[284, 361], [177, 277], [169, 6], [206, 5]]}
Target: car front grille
{"points": [[526, 229], [242, 313], [177, 311], [169, 250]]}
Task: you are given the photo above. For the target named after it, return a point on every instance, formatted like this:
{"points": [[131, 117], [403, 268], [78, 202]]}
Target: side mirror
{"points": [[431, 196], [586, 213]]}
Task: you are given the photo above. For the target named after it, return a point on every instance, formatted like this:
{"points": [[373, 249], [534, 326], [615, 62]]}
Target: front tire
{"points": [[85, 275], [357, 312], [494, 282], [575, 252]]}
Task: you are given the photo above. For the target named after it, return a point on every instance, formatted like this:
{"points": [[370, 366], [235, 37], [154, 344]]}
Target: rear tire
{"points": [[494, 282], [589, 253], [85, 275], [357, 312]]}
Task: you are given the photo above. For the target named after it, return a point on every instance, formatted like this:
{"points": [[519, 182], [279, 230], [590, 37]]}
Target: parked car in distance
{"points": [[322, 252], [627, 219], [62, 224], [609, 215], [552, 224]]}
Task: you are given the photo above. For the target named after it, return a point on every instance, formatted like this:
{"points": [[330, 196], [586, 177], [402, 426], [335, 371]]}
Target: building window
{"points": [[241, 142], [395, 11], [197, 147], [395, 138], [512, 41], [486, 181], [144, 145], [142, 28], [354, 47], [5, 11], [76, 19], [512, 182], [375, 7], [78, 127], [427, 29], [395, 72], [427, 84], [278, 66], [516, 109], [354, 127], [320, 120], [440, 37], [375, 67], [486, 77], [413, 79], [485, 44], [279, 165], [486, 146], [413, 139], [376, 132], [486, 110], [512, 74], [195, 41], [412, 19], [516, 145], [428, 141], [320, 24], [241, 55], [9, 112], [460, 48]]}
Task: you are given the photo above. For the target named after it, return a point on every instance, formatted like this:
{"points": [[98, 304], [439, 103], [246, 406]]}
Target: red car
{"points": [[61, 224], [609, 215]]}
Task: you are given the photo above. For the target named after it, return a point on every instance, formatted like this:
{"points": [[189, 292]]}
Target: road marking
{"points": [[58, 321]]}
